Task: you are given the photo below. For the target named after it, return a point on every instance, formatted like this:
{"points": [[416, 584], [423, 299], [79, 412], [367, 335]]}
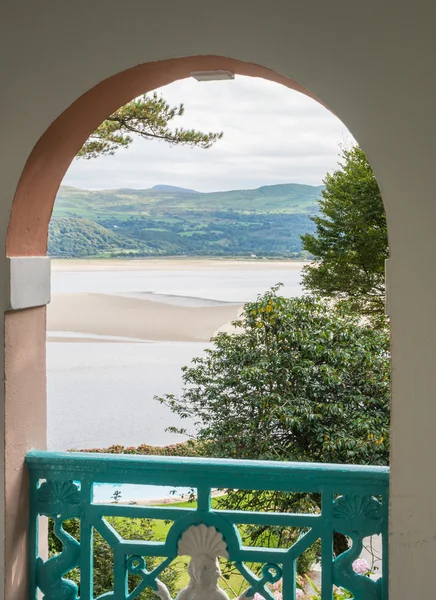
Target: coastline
{"points": [[120, 336], [171, 264], [101, 316]]}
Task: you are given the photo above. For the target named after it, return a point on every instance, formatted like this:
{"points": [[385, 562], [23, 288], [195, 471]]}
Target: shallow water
{"points": [[234, 285], [101, 394], [126, 493]]}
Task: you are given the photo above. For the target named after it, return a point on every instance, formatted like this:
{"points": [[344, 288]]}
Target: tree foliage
{"points": [[193, 234], [147, 117], [302, 380], [103, 554], [350, 244], [76, 237]]}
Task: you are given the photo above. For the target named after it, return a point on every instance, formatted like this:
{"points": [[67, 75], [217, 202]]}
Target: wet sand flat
{"points": [[129, 317]]}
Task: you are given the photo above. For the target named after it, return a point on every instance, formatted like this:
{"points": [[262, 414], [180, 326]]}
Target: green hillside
{"points": [[71, 236], [168, 221]]}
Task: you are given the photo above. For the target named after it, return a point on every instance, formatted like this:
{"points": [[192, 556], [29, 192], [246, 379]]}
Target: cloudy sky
{"points": [[271, 135]]}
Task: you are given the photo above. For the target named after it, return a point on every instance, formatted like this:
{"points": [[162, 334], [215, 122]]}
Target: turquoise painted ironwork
{"points": [[354, 502]]}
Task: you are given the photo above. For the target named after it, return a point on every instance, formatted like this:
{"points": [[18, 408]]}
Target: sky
{"points": [[271, 135]]}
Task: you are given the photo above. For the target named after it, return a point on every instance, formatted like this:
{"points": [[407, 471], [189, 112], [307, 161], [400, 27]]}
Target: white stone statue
{"points": [[204, 545]]}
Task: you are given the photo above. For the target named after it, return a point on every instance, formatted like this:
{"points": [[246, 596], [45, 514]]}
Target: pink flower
{"points": [[278, 593], [361, 566]]}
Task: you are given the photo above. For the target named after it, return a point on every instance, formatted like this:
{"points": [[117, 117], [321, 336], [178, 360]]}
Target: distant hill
{"points": [[169, 220], [172, 188]]}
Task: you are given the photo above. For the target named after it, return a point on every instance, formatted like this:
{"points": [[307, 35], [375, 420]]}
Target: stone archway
{"points": [[25, 323], [54, 152]]}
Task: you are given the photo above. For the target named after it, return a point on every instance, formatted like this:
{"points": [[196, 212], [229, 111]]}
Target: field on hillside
{"points": [[167, 221]]}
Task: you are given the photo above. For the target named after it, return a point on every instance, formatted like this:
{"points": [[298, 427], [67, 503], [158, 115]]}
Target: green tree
{"points": [[103, 554], [147, 117], [350, 244], [303, 379]]}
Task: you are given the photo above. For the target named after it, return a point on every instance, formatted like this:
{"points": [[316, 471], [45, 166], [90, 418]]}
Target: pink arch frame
{"points": [[52, 155], [25, 330]]}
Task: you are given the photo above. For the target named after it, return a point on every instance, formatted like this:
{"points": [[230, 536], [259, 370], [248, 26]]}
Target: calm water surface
{"points": [[229, 286], [101, 394]]}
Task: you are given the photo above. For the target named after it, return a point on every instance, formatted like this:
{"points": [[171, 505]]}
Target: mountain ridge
{"points": [[172, 188], [181, 188], [170, 221]]}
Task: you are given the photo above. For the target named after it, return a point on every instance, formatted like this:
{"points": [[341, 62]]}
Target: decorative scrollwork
{"points": [[350, 507], [200, 540], [57, 493], [49, 574], [271, 573], [362, 514], [204, 545], [357, 517], [362, 587], [136, 565]]}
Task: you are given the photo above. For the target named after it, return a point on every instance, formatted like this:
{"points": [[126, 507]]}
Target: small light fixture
{"points": [[212, 75]]}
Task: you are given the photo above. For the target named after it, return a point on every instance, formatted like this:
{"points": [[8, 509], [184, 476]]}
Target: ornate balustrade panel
{"points": [[354, 502]]}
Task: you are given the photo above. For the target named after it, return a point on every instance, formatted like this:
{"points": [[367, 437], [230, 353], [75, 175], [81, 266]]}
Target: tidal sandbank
{"points": [[130, 317]]}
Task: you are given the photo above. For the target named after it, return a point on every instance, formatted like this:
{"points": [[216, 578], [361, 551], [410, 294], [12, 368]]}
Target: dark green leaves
{"points": [[148, 117], [350, 244], [304, 379]]}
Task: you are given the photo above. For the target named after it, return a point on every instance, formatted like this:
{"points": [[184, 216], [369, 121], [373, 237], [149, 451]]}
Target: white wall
{"points": [[373, 64]]}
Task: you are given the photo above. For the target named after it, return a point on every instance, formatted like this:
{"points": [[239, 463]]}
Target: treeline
{"points": [[224, 233], [75, 237]]}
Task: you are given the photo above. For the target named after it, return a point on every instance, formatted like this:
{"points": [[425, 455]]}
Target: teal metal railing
{"points": [[354, 502]]}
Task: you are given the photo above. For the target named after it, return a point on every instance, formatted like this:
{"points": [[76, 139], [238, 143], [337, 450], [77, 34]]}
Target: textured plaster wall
{"points": [[26, 417], [373, 65]]}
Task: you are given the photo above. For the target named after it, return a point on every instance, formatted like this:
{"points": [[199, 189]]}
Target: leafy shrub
{"points": [[129, 529]]}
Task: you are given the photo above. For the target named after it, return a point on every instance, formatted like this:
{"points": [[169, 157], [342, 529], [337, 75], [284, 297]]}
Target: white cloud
{"points": [[271, 135]]}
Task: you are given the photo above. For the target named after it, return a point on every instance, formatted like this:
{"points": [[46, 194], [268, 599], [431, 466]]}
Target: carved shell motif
{"points": [[350, 507], [58, 492], [200, 540]]}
